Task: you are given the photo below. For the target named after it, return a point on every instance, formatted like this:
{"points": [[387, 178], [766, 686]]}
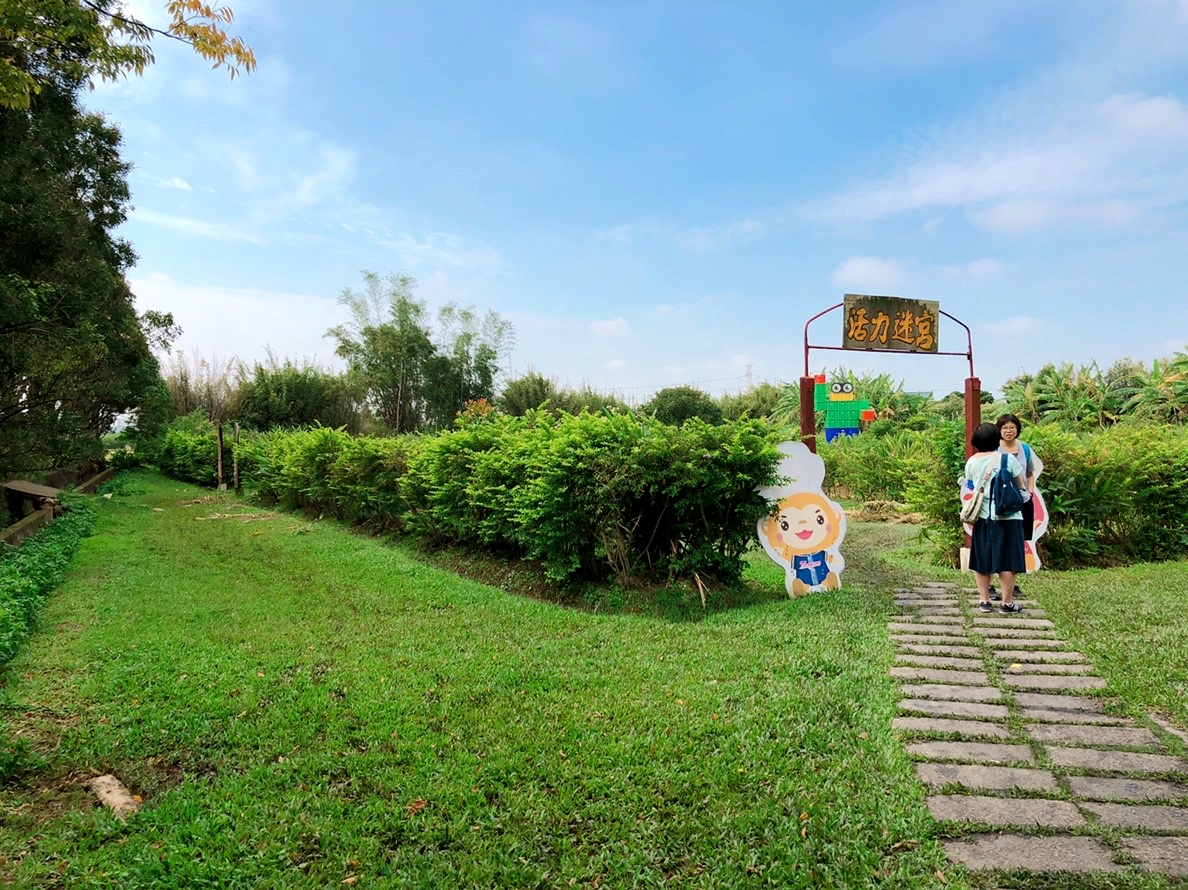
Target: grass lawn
{"points": [[299, 706]]}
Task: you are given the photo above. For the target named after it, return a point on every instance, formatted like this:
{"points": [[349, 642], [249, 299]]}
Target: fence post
{"points": [[235, 460], [222, 484]]}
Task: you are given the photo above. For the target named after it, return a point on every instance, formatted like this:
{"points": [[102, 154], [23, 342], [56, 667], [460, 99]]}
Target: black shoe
{"points": [[995, 595], [1011, 607], [1018, 591], [985, 607]]}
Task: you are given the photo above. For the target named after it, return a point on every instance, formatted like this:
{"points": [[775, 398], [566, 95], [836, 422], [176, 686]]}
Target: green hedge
{"points": [[29, 572], [591, 496], [1115, 496]]}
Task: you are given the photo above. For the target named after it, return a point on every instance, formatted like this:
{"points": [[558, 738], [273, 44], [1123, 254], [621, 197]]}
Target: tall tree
{"points": [[83, 39], [411, 381], [73, 352]]}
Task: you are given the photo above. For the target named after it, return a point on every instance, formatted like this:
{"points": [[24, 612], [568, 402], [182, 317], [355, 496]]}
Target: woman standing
{"points": [[1009, 427], [997, 540]]}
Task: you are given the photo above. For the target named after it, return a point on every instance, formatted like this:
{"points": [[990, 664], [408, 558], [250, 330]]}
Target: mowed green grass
{"points": [[299, 706]]}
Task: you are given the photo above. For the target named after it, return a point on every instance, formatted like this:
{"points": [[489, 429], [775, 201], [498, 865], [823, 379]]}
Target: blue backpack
{"points": [[1003, 491]]}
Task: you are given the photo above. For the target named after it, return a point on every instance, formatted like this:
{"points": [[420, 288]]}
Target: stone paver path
{"points": [[1014, 738]]}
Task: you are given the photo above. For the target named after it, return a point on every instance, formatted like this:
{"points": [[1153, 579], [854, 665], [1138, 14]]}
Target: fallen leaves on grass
{"points": [[415, 807]]}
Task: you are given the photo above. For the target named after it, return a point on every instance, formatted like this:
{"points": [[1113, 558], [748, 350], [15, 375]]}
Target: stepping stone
{"points": [[985, 778], [931, 649], [1040, 655], [1102, 788], [1016, 632], [1028, 612], [972, 752], [918, 627], [977, 710], [1004, 811], [1014, 620], [927, 640], [1144, 818], [968, 728], [1048, 681], [1059, 702], [1168, 726], [1051, 715], [1128, 736], [935, 675], [1115, 761], [951, 693], [1040, 854], [1164, 855], [952, 623], [939, 661], [1040, 643], [939, 611], [927, 603], [1025, 666]]}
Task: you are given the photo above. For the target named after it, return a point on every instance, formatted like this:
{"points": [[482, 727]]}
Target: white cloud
{"points": [[983, 268], [215, 231], [1020, 324], [173, 182], [701, 239], [616, 364], [442, 249], [224, 321], [613, 327], [869, 274]]}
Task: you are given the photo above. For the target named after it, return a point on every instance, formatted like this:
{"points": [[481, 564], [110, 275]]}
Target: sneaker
{"points": [[1012, 607], [985, 607], [995, 595]]}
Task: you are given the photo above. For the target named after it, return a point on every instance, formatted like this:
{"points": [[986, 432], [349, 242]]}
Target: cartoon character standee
{"points": [[806, 528], [843, 409]]}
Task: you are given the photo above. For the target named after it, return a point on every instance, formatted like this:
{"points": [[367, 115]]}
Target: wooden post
{"points": [[808, 413], [973, 410], [222, 484], [235, 460]]}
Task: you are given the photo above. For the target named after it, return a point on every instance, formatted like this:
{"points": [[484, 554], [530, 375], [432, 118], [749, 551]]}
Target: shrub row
{"points": [[29, 572], [1115, 496], [591, 496]]}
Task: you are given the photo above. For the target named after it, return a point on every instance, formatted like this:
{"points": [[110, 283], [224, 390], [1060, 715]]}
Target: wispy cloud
{"points": [[705, 239], [438, 249], [187, 226], [613, 327], [172, 182], [983, 268], [868, 273]]}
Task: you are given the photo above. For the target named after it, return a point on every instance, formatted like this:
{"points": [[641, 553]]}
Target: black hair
{"points": [[985, 438], [1010, 418]]}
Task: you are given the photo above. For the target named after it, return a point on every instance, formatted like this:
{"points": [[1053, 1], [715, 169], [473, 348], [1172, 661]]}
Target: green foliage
{"points": [[285, 395], [412, 381], [759, 401], [523, 394], [676, 404], [188, 450], [30, 572], [73, 352]]}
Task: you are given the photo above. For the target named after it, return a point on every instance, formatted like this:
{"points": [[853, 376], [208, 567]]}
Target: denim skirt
{"points": [[997, 546]]}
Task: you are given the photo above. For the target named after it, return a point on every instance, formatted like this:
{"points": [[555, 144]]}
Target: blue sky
{"points": [[663, 193]]}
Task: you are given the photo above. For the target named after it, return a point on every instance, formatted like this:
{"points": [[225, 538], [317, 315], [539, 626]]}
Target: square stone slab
{"points": [[1058, 702], [972, 752], [1033, 656], [957, 623], [1030, 666], [1017, 620], [1042, 854], [1004, 811], [933, 649], [951, 693], [1102, 788], [936, 675], [1163, 855], [1040, 643], [977, 710], [1144, 818], [937, 725], [985, 778], [1051, 715], [929, 640], [1114, 761], [1018, 633], [939, 661], [921, 627], [1052, 681], [1107, 736]]}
